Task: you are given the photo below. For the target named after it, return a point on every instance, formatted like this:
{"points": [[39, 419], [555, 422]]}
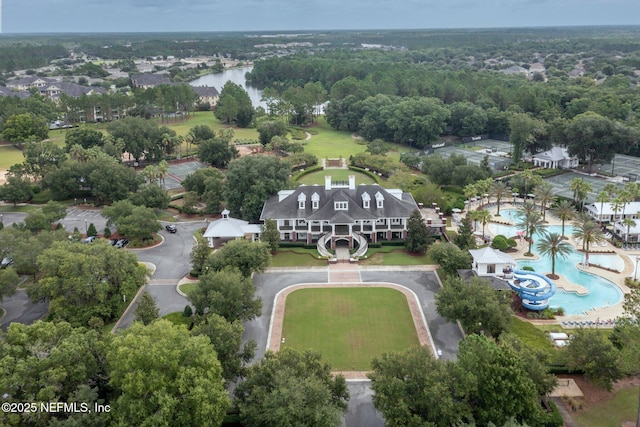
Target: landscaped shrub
{"points": [[107, 232], [511, 242], [559, 311], [42, 197], [528, 268], [306, 171], [91, 230], [500, 243], [187, 312], [370, 174], [631, 283]]}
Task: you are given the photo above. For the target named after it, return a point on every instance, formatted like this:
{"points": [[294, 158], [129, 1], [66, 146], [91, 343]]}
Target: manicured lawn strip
{"points": [[348, 326], [623, 406], [9, 156], [296, 257], [177, 318], [19, 208], [187, 288], [336, 175], [392, 255]]}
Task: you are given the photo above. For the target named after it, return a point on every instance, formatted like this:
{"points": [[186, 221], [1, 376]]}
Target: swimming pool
{"points": [[601, 292]]}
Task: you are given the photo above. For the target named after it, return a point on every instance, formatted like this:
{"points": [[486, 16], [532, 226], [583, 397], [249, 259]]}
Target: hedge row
{"points": [[370, 174], [306, 172]]}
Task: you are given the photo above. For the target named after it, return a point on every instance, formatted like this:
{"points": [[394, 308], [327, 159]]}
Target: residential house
{"points": [[555, 158], [5, 91], [148, 80], [207, 94], [340, 212], [28, 82]]}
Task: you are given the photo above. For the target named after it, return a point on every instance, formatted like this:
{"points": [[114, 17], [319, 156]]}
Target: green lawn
{"points": [[392, 255], [348, 326], [9, 156], [187, 288], [532, 335], [336, 175], [623, 406], [296, 257], [330, 143], [177, 318]]}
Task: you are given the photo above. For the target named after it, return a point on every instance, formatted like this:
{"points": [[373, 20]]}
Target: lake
{"points": [[236, 75]]}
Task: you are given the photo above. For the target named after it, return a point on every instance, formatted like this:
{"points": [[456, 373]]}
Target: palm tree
{"points": [[581, 189], [616, 205], [499, 190], [162, 169], [545, 195], [602, 198], [484, 216], [483, 187], [532, 223], [565, 211], [553, 245], [589, 232], [628, 222], [470, 191]]}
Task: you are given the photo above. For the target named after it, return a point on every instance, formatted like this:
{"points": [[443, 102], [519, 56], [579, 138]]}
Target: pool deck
{"points": [[603, 314]]}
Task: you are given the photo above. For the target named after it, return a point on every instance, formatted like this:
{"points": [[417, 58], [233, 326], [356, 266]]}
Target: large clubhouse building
{"points": [[340, 211]]}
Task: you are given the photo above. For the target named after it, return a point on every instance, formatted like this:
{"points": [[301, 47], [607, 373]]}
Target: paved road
{"points": [[361, 412], [20, 309]]}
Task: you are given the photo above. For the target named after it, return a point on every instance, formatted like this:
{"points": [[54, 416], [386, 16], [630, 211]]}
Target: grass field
{"points": [[187, 288], [177, 318], [623, 406], [348, 326], [336, 175], [296, 257], [391, 255], [9, 156]]}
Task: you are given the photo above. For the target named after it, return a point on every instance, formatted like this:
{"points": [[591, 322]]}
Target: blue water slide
{"points": [[533, 298]]}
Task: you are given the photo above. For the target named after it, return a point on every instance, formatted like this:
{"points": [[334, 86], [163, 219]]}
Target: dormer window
{"points": [[315, 200], [341, 206], [366, 200], [379, 200], [302, 199]]}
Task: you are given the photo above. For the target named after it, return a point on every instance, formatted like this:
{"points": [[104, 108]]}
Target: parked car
{"points": [[122, 243], [89, 239], [6, 262], [112, 242], [171, 228]]}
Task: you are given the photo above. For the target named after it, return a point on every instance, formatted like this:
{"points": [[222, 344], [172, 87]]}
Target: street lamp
{"points": [[85, 226]]}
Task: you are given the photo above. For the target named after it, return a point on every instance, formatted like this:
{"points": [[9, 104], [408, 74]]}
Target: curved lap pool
{"points": [[601, 292]]}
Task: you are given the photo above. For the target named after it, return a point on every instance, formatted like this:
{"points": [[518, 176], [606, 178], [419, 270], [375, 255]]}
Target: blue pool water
{"points": [[601, 292]]}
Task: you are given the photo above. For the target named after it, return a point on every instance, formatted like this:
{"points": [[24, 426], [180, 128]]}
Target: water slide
{"points": [[534, 289]]}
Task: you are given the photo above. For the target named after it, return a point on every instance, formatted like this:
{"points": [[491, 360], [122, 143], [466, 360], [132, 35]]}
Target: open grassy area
{"points": [[9, 156], [348, 326], [532, 335], [296, 257], [623, 406], [331, 143], [177, 318], [187, 288], [336, 175], [393, 255]]}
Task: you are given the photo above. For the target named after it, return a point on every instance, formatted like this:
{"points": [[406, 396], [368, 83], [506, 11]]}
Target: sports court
{"points": [[179, 171], [476, 151]]}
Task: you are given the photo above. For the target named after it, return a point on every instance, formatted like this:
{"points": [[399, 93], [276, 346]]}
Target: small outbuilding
{"points": [[491, 262], [227, 228]]}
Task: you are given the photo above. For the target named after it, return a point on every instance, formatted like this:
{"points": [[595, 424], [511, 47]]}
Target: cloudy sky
{"points": [[60, 16]]}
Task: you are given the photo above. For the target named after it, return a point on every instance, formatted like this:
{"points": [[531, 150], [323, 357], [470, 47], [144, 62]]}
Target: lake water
{"points": [[236, 75]]}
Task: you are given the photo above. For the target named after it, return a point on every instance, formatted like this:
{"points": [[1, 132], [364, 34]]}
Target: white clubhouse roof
{"points": [[227, 227], [607, 208], [489, 255]]}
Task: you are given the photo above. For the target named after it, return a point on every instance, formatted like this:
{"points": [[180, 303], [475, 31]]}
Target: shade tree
{"points": [[161, 375], [291, 388]]}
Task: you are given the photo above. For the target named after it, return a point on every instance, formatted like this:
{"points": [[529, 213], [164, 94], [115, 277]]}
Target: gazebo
{"points": [[491, 262], [227, 228]]}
